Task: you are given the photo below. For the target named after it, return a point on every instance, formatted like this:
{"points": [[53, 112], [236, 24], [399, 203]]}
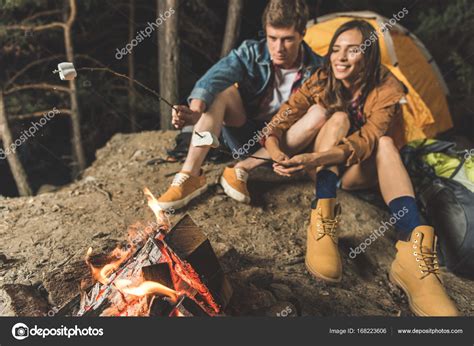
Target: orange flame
{"points": [[102, 274], [153, 204], [146, 288]]}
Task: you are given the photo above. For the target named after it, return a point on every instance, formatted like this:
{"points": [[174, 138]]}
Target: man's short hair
{"points": [[285, 14]]}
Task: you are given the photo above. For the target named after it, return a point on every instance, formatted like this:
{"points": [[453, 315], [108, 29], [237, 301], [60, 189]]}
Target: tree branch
{"points": [[37, 114], [35, 28], [40, 14], [72, 13], [30, 65], [38, 86], [87, 57]]}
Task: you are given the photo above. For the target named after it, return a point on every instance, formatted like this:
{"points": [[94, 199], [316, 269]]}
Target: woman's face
{"points": [[346, 57]]}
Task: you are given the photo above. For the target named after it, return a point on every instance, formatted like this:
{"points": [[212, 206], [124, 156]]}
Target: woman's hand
{"points": [[296, 164], [331, 157]]}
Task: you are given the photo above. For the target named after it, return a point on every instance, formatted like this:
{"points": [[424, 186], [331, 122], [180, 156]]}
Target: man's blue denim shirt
{"points": [[250, 66]]}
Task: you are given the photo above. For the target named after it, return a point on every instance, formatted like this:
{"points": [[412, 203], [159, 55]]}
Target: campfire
{"points": [[162, 271]]}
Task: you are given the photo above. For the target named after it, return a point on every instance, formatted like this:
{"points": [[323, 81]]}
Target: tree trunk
{"points": [[77, 147], [16, 167], [168, 56], [131, 70], [232, 27]]}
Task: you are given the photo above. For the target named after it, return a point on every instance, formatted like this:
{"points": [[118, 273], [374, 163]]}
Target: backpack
{"points": [[443, 178]]}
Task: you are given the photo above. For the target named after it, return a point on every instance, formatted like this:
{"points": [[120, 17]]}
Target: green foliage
{"points": [[455, 19], [447, 32], [12, 4], [464, 71]]}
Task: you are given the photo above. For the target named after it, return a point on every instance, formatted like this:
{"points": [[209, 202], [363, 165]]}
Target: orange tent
{"points": [[425, 111]]}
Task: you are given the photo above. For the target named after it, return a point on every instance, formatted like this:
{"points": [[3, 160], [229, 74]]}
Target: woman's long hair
{"points": [[337, 98]]}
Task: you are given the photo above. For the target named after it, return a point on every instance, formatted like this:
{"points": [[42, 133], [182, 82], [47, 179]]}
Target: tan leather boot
{"points": [[416, 271], [322, 255]]}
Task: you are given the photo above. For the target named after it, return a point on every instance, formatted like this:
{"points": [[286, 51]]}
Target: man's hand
{"points": [[184, 116]]}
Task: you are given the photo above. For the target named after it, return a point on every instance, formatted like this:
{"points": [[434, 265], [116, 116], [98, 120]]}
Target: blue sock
{"points": [[405, 211], [326, 184]]}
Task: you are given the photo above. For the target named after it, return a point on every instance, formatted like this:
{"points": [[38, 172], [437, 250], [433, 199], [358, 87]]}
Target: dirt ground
{"points": [[261, 246]]}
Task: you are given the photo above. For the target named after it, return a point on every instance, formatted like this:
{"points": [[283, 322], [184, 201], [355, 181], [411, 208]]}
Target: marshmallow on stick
{"points": [[67, 71]]}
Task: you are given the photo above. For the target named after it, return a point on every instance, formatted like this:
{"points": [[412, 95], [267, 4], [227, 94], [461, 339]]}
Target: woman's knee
{"points": [[386, 145], [339, 119], [317, 116]]}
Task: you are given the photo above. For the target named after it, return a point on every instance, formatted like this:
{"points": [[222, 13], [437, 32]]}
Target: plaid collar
{"points": [[299, 76], [356, 113]]}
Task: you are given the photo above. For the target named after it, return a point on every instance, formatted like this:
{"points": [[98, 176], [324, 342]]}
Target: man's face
{"points": [[284, 45]]}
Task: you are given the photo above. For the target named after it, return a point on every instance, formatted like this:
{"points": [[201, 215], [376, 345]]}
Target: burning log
{"points": [[192, 254], [173, 273], [158, 272]]}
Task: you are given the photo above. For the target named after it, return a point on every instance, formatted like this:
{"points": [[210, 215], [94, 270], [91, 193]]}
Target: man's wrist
{"points": [[197, 105]]}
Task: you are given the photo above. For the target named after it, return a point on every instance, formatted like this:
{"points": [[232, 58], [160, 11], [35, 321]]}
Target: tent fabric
{"points": [[425, 112]]}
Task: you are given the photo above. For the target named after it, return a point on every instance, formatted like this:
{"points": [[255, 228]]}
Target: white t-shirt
{"points": [[284, 79]]}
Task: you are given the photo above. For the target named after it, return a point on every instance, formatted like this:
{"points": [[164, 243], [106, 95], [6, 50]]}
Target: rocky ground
{"points": [[261, 246]]}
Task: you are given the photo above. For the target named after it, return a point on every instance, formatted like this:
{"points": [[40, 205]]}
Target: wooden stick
{"points": [[130, 79]]}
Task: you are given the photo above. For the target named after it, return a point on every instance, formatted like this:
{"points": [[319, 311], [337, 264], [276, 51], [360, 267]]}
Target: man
{"points": [[239, 94]]}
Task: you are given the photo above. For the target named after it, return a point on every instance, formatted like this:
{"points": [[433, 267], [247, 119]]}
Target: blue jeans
{"points": [[243, 141]]}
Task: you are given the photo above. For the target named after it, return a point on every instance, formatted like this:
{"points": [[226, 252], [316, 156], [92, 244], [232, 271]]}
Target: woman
{"points": [[357, 147]]}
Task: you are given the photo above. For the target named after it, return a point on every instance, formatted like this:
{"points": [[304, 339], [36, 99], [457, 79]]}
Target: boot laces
{"points": [[241, 174], [179, 179], [428, 260], [327, 226]]}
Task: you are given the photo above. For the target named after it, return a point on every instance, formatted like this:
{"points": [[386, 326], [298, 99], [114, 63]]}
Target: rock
{"points": [[22, 300], [230, 260], [138, 155], [276, 225], [294, 199], [62, 284], [258, 301], [47, 188], [3, 259], [281, 291], [258, 277], [229, 212], [90, 179], [221, 249], [100, 235], [282, 309]]}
